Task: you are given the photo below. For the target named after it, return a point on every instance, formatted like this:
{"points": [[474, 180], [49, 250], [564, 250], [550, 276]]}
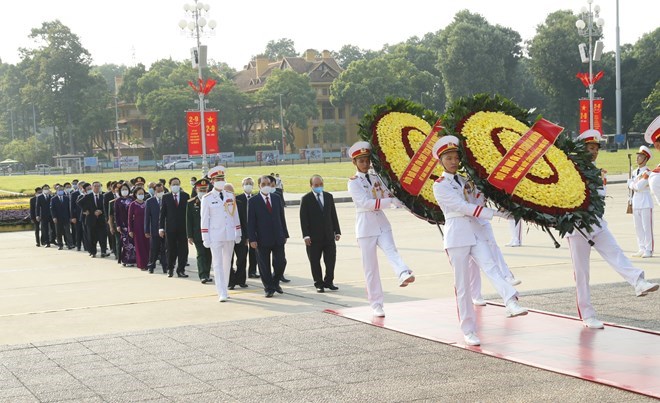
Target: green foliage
{"points": [[298, 101], [280, 48], [415, 204], [562, 221], [650, 109]]}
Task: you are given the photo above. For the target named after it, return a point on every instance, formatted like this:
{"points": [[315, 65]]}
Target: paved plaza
{"points": [[80, 329]]}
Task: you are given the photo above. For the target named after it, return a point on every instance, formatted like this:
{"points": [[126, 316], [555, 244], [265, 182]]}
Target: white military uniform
{"points": [[642, 204], [465, 238], [221, 228], [609, 250], [654, 183], [652, 134], [516, 232], [372, 229]]}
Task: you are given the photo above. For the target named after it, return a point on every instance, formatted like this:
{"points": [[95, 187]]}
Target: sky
{"points": [[143, 31]]}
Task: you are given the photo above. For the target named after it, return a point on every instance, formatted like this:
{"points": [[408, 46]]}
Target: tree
{"points": [[28, 152], [57, 73], [639, 76], [280, 48], [298, 100], [165, 108], [650, 110], [368, 82], [109, 72], [129, 89], [348, 54], [554, 64], [475, 56]]}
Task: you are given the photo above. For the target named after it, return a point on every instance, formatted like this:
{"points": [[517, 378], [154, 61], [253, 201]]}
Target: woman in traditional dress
{"points": [[121, 223], [136, 212]]}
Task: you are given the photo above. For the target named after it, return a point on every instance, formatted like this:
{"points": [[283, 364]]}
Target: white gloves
{"points": [[207, 244], [238, 239]]}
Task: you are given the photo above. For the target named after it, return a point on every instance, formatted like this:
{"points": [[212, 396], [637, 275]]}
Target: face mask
{"points": [[160, 194], [219, 185], [272, 189], [200, 194], [266, 190], [83, 192], [67, 190], [151, 191], [100, 189], [192, 183], [75, 185], [318, 189], [124, 193], [60, 192], [176, 188], [46, 191], [140, 197], [247, 188]]}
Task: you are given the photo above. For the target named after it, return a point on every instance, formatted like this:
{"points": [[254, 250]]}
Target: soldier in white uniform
{"points": [[465, 239], [642, 204], [516, 233], [221, 228], [608, 249], [652, 136], [372, 227]]}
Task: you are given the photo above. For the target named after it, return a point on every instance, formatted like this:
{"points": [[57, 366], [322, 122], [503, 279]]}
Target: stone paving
{"points": [[308, 357]]}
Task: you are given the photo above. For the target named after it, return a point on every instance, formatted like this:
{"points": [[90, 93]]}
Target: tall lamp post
{"points": [[590, 25], [196, 25]]}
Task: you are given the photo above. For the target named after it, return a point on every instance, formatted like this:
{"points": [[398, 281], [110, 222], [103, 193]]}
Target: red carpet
{"points": [[619, 356]]}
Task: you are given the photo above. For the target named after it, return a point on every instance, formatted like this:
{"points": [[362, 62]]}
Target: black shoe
{"points": [[332, 287], [279, 290], [78, 249], [243, 285], [47, 245], [209, 280], [253, 276], [60, 247], [231, 287], [187, 264], [284, 280], [205, 280], [151, 271], [38, 245], [269, 294], [182, 275], [170, 273], [320, 289], [69, 247], [93, 256], [105, 254]]}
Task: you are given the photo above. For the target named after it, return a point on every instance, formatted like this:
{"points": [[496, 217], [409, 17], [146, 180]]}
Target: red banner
{"points": [[422, 164], [519, 159], [598, 114], [195, 132]]}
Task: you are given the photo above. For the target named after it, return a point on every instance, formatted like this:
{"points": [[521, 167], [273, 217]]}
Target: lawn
{"points": [[295, 177]]}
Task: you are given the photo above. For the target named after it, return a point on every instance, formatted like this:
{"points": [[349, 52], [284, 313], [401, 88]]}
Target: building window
{"points": [[327, 111], [324, 91]]}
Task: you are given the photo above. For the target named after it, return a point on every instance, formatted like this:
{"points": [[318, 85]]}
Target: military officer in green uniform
{"points": [[194, 231]]}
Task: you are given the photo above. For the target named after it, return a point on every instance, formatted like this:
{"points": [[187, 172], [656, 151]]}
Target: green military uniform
{"points": [[194, 232]]}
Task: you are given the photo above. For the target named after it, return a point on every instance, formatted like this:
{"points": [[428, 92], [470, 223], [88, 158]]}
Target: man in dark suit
{"points": [[79, 237], [320, 229], [172, 227], [157, 250], [242, 250], [268, 233], [33, 214], [61, 213], [43, 216], [95, 222]]}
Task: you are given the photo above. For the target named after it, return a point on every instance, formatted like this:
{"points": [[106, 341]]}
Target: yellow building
{"points": [[322, 70]]}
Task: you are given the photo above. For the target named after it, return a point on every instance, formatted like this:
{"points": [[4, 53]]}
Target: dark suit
{"points": [[33, 218], [80, 234], [42, 210], [268, 229], [158, 250], [95, 225], [107, 197], [173, 221], [321, 225], [60, 209], [242, 250]]}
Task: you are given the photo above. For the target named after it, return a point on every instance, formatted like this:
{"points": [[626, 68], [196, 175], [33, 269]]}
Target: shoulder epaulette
{"points": [[352, 177], [440, 179]]}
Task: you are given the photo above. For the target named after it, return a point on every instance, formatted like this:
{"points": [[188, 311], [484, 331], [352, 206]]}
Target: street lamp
{"points": [[197, 25], [590, 25]]}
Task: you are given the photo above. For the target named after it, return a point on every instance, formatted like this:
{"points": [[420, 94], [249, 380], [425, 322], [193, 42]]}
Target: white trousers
{"points": [[643, 218], [460, 261], [609, 250], [516, 232], [370, 264], [503, 268], [221, 252]]}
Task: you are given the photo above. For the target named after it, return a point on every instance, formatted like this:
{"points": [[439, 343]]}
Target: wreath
{"points": [[396, 130], [560, 190]]}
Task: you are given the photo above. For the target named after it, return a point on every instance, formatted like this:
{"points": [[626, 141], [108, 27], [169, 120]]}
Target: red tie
{"points": [[176, 200], [268, 206]]}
